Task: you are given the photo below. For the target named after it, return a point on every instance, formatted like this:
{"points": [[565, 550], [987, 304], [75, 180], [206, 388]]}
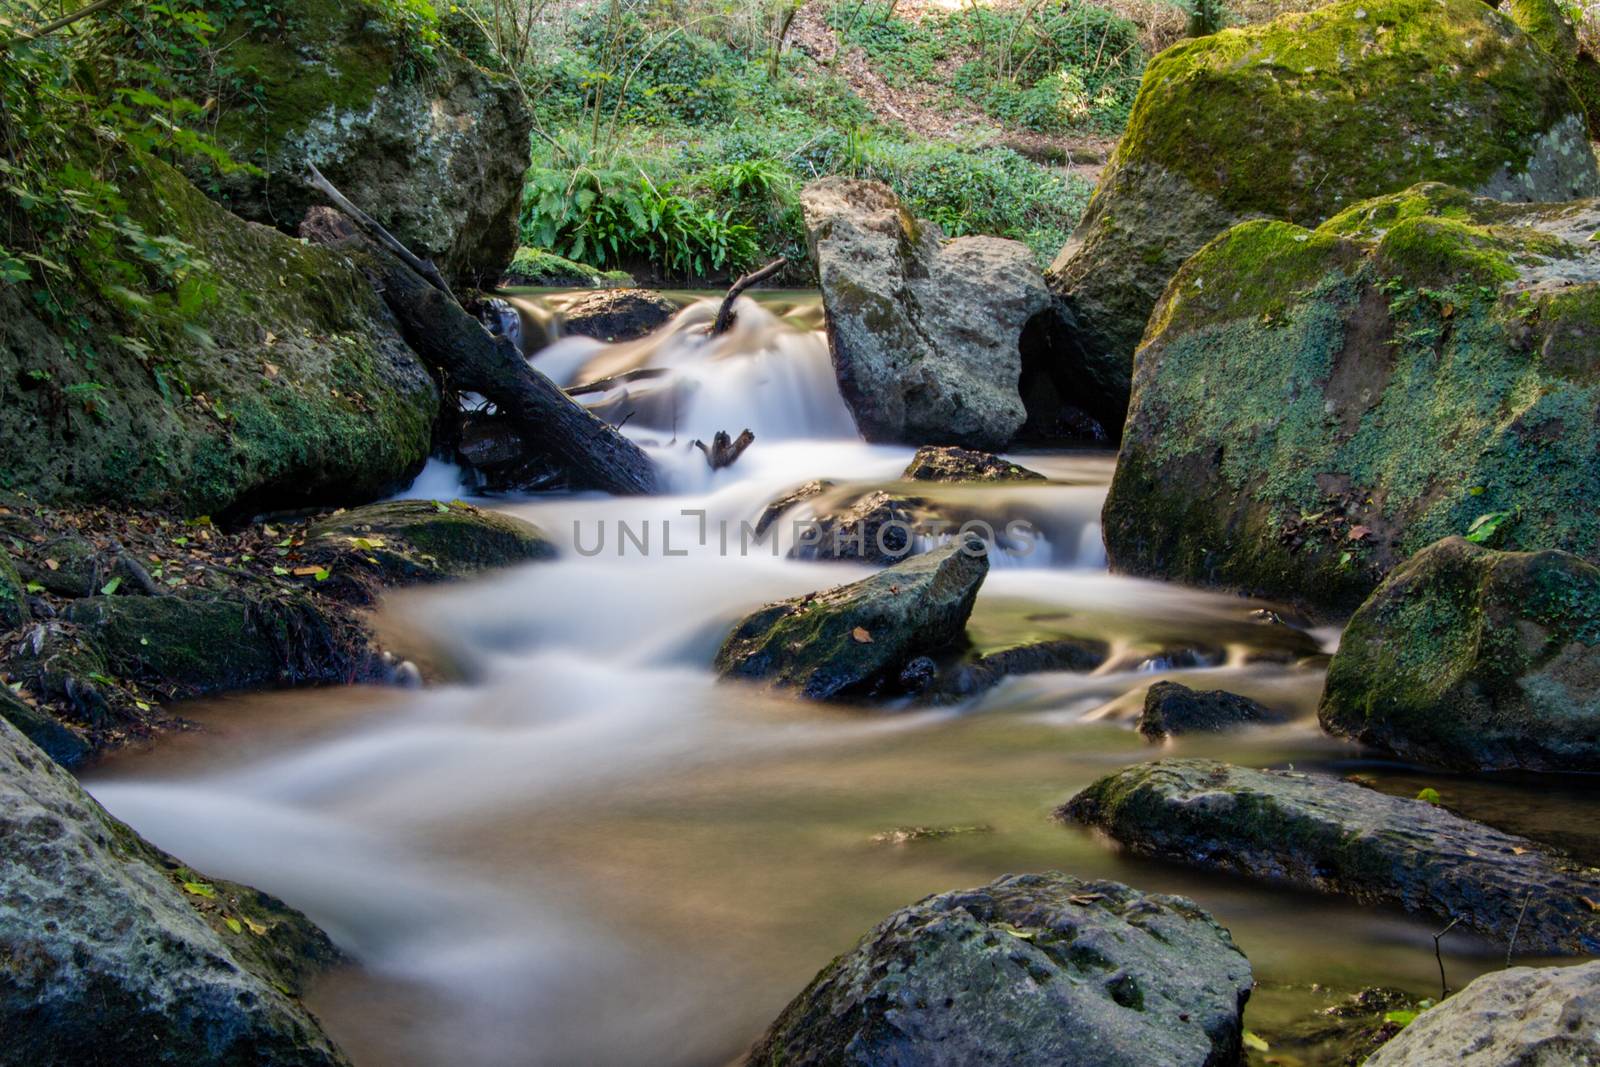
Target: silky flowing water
{"points": [[584, 850]]}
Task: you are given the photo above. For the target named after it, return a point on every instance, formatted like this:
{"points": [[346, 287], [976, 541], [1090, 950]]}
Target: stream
{"points": [[583, 850]]}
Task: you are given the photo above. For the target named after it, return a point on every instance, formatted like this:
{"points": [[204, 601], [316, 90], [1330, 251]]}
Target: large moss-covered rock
{"points": [[1338, 837], [1299, 118], [1032, 968], [428, 143], [13, 594], [1546, 23], [266, 373], [1311, 407], [1532, 1016], [926, 335], [1475, 659], [113, 952], [855, 640]]}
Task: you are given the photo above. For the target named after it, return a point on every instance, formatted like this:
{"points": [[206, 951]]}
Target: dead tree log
{"points": [[611, 381], [370, 226], [723, 450], [469, 359], [725, 314]]}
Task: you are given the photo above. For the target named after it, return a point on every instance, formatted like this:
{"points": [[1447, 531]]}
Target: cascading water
{"points": [[586, 851]]}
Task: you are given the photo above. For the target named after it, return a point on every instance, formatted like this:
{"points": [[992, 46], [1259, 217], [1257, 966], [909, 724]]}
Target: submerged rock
{"points": [[618, 314], [1311, 407], [853, 641], [876, 528], [925, 335], [1476, 660], [427, 142], [1338, 837], [1521, 1015], [967, 678], [115, 953], [934, 464], [1032, 968], [1297, 119], [1170, 709]]}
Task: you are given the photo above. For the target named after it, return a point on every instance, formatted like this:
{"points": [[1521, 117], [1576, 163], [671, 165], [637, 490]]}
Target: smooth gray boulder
{"points": [[1518, 1017], [114, 953], [925, 334], [1338, 837], [1030, 969], [854, 641]]}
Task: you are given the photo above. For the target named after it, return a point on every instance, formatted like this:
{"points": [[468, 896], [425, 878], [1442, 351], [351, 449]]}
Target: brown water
{"points": [[588, 852]]}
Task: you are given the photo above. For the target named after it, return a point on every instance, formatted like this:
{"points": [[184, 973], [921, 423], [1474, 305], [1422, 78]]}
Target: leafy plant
{"points": [[1485, 529]]}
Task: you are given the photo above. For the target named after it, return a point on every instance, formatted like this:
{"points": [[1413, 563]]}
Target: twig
{"points": [[725, 314], [1444, 988], [600, 385], [724, 450], [367, 223], [66, 20], [140, 576], [1512, 947]]}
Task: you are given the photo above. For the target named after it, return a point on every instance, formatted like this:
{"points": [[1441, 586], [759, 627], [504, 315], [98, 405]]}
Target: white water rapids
{"points": [[587, 851]]}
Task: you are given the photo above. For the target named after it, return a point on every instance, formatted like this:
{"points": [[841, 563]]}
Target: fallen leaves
{"points": [[861, 635]]}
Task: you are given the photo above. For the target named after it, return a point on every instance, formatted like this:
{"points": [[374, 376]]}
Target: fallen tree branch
{"points": [[725, 314], [611, 381], [370, 225], [724, 450], [66, 20], [589, 451]]}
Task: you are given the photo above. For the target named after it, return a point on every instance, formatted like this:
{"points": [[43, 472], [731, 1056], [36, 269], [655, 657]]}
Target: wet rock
{"points": [[618, 314], [967, 679], [934, 464], [1170, 709], [1338, 837], [55, 740], [407, 542], [429, 143], [1312, 407], [799, 495], [1521, 1015], [1347, 1033], [876, 528], [1475, 659], [117, 954], [1297, 119], [853, 641], [925, 335], [1033, 968]]}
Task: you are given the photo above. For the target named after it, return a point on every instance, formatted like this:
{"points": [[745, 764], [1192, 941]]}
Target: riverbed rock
{"points": [[116, 953], [1338, 837], [854, 640], [285, 385], [925, 334], [539, 266], [613, 315], [935, 464], [1297, 119], [1547, 24], [1521, 1015], [968, 677], [1312, 407], [431, 145], [1171, 709], [878, 527], [1474, 659], [1031, 968], [55, 740], [776, 508]]}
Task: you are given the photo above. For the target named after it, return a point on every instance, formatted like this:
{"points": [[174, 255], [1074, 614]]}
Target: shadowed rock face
{"points": [[1035, 968], [1299, 118], [1522, 1015], [1339, 837], [933, 464], [115, 953], [925, 335], [1170, 708], [1475, 659], [856, 639], [618, 314]]}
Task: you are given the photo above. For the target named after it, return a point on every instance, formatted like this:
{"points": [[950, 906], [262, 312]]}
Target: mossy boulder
{"points": [[1475, 659], [539, 266], [114, 952], [1312, 407], [266, 374], [855, 640], [427, 142], [1299, 118], [1546, 23], [1032, 968], [13, 594], [1335, 836]]}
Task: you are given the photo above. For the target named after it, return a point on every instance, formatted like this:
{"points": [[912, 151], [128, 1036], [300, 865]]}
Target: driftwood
{"points": [[369, 225], [589, 451], [725, 314], [723, 450], [611, 381]]}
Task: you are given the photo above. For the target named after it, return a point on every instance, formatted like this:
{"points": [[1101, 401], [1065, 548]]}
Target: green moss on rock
{"points": [[1301, 117], [1475, 659], [13, 597], [1544, 21]]}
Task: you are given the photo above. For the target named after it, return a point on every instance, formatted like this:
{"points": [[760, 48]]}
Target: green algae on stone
{"points": [[1311, 407], [1475, 659], [1544, 21], [1299, 118], [13, 595]]}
